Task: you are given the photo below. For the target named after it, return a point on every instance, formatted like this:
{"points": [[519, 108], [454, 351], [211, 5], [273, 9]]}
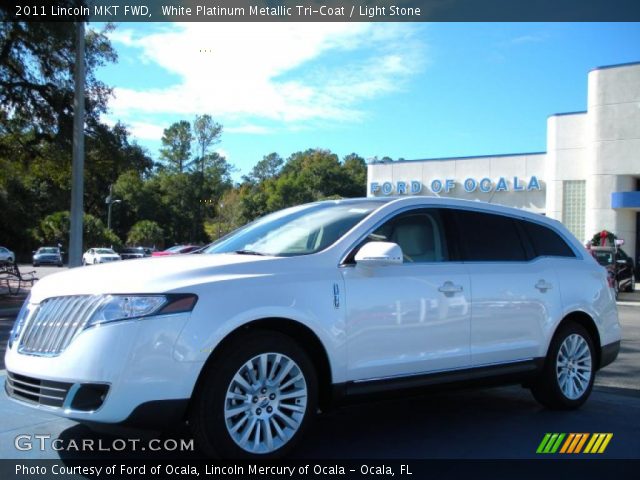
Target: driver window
{"points": [[419, 234]]}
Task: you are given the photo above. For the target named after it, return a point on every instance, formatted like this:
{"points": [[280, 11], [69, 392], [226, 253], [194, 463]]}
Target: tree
{"points": [[268, 167], [207, 133], [146, 233], [54, 229], [355, 168], [36, 78], [176, 142]]}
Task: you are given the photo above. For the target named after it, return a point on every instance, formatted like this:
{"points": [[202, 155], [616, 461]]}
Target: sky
{"points": [[403, 90]]}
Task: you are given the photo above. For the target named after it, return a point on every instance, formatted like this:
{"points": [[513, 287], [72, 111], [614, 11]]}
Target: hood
{"points": [[174, 273]]}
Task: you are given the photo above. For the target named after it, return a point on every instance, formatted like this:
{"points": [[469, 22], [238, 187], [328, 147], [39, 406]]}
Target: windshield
{"points": [[105, 251], [175, 248], [604, 258], [295, 231], [48, 250]]}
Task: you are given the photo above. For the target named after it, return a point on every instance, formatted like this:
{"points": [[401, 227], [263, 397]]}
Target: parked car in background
{"points": [[99, 255], [176, 250], [129, 253], [6, 255], [619, 264], [47, 256], [248, 339]]}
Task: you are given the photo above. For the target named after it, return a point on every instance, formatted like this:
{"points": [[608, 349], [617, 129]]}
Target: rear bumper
{"points": [[609, 353]]}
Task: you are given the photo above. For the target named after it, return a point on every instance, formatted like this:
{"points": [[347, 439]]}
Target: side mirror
{"points": [[379, 254]]}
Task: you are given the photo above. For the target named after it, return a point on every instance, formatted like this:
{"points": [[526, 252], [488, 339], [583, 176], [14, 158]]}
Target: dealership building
{"points": [[589, 177]]}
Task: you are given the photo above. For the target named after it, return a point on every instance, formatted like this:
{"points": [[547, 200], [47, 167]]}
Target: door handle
{"points": [[448, 288], [543, 286]]}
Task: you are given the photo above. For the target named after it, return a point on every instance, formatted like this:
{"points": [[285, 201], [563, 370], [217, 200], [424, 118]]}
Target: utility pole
{"points": [[77, 172]]}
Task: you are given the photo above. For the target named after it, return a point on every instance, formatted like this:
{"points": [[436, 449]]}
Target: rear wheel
{"points": [[567, 377], [256, 399]]}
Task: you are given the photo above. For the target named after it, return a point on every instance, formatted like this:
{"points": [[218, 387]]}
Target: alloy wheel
{"points": [[265, 403], [573, 366]]}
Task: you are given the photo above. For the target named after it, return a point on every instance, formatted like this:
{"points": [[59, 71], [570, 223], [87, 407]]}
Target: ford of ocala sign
{"points": [[448, 185]]}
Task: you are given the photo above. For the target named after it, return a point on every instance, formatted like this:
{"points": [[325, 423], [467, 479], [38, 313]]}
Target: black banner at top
{"points": [[322, 10]]}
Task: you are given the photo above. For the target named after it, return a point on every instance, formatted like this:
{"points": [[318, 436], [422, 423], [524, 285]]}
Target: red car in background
{"points": [[176, 250]]}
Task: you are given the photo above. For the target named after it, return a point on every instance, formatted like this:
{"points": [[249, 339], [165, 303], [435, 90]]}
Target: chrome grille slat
{"points": [[22, 382], [49, 325], [35, 390], [63, 331], [56, 322], [41, 395]]}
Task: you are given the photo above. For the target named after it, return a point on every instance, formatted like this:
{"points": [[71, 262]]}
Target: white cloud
{"points": [[285, 72], [145, 131]]}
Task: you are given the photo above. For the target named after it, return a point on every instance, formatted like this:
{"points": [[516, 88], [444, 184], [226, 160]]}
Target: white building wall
{"points": [[566, 157], [508, 166], [613, 128]]}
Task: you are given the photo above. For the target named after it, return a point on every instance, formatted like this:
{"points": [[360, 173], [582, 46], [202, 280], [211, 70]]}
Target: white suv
{"points": [[247, 340]]}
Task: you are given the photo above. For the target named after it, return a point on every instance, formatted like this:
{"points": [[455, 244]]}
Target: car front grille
{"points": [[34, 390], [56, 322]]}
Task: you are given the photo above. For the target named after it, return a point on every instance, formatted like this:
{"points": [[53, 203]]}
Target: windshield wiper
{"points": [[249, 252]]}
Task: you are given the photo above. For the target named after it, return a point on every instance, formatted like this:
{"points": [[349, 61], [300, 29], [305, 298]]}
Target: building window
{"points": [[573, 210]]}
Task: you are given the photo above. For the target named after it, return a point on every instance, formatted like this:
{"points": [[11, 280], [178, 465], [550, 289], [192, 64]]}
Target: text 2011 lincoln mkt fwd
{"points": [[273, 322]]}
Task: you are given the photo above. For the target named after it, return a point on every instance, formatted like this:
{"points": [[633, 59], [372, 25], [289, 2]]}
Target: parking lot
{"points": [[494, 423]]}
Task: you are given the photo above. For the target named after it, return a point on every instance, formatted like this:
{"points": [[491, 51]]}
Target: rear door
{"points": [[514, 294]]}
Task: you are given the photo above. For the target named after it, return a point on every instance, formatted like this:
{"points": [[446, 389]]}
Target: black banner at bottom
{"points": [[539, 469]]}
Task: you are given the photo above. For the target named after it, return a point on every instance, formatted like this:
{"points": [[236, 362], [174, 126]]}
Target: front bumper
{"points": [[134, 361]]}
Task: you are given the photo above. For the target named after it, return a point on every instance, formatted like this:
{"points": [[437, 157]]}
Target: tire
{"points": [[632, 284], [558, 388], [221, 434], [35, 264]]}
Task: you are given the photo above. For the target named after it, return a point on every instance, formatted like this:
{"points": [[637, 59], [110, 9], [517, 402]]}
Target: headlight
{"points": [[125, 307]]}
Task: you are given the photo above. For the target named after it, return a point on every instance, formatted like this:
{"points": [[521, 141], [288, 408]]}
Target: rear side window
{"points": [[546, 242], [486, 237]]}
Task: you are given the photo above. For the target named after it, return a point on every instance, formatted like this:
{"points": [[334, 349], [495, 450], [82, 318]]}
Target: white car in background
{"points": [[249, 338], [99, 255], [6, 255]]}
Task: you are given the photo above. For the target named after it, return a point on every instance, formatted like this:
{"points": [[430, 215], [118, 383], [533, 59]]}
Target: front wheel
{"points": [[256, 399], [632, 284], [567, 377]]}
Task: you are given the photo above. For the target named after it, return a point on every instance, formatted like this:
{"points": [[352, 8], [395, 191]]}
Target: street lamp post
{"points": [[110, 201]]}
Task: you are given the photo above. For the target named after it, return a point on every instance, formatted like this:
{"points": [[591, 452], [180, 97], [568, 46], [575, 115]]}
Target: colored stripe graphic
{"points": [[598, 443], [550, 443], [574, 443]]}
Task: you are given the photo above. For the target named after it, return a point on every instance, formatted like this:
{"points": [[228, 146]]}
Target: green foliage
{"points": [[307, 176], [36, 79], [610, 239], [176, 146], [146, 233], [54, 229], [206, 133]]}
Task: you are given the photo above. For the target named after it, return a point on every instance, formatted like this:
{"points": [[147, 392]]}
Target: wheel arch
{"points": [[586, 321], [302, 334]]}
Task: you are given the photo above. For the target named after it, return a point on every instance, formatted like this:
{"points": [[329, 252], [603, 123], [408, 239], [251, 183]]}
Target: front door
{"points": [[410, 318]]}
